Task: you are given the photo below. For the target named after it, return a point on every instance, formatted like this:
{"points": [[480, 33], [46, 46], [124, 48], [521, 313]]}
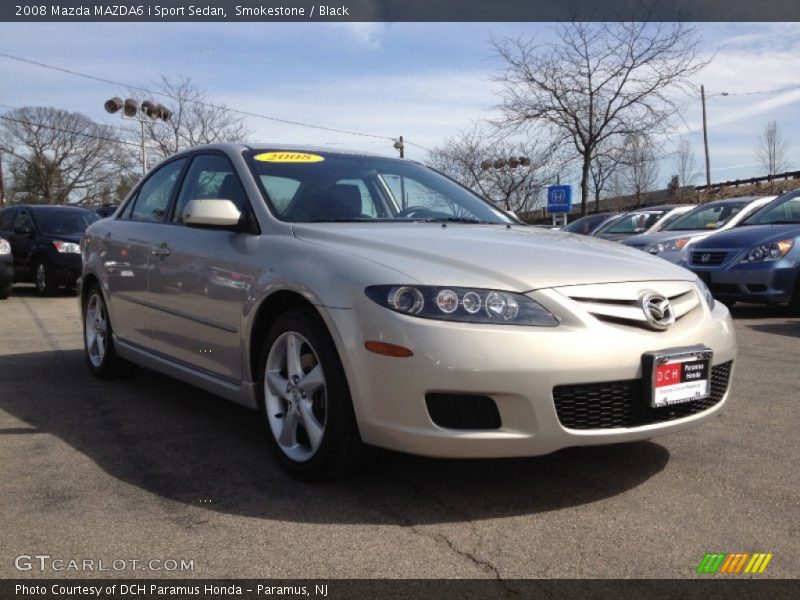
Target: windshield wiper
{"points": [[454, 220]]}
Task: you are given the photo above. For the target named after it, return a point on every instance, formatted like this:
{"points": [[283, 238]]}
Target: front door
{"points": [[200, 281]]}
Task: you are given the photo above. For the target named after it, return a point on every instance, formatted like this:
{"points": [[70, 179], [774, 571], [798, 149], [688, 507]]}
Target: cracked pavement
{"points": [[153, 468]]}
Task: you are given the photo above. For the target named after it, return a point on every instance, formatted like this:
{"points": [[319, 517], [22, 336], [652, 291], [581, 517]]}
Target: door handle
{"points": [[161, 250]]}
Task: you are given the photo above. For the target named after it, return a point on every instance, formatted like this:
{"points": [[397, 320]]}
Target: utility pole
{"points": [[705, 139], [399, 145], [2, 185]]}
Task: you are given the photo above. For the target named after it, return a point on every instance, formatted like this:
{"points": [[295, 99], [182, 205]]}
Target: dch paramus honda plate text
{"points": [[359, 300]]}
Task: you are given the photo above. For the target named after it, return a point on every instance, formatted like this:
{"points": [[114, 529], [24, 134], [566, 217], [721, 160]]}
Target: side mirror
{"points": [[211, 213]]}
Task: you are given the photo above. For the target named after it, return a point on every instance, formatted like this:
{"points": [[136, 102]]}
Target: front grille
{"points": [[714, 258], [463, 411], [621, 403]]}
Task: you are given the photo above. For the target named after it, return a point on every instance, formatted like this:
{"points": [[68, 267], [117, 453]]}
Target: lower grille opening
{"points": [[620, 403], [463, 411]]}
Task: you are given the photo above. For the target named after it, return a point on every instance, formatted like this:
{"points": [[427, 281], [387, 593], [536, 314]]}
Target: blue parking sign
{"points": [[559, 198]]}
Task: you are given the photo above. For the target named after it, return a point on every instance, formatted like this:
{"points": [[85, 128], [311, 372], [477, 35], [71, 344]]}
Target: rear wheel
{"points": [[305, 400], [101, 355], [5, 292], [45, 285]]}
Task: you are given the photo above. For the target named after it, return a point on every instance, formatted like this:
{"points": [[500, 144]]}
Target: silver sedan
{"points": [[361, 301]]}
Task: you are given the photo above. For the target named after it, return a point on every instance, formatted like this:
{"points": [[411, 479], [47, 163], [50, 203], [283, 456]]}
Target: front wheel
{"points": [[44, 281], [305, 400], [101, 355]]}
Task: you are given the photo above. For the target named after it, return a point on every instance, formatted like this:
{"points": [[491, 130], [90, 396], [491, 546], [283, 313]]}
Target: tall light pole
{"points": [[144, 112], [705, 139]]}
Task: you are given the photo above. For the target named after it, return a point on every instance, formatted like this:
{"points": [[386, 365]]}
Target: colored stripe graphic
{"points": [[733, 563]]}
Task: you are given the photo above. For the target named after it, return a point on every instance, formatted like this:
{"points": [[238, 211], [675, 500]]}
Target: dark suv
{"points": [[45, 243]]}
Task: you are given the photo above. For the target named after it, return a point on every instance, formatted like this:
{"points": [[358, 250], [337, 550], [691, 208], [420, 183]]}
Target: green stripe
{"points": [[711, 562]]}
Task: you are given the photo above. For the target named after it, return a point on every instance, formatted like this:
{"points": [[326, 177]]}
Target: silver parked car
{"points": [[364, 301], [673, 241]]}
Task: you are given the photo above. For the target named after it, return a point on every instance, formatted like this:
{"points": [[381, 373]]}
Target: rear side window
{"points": [[23, 221], [155, 193], [210, 176]]}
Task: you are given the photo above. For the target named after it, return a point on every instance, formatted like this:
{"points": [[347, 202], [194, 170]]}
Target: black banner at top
{"points": [[398, 10]]}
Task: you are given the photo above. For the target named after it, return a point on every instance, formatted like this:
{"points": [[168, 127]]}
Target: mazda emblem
{"points": [[657, 311]]}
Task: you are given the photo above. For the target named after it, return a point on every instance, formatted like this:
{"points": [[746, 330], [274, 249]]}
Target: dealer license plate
{"points": [[677, 376]]}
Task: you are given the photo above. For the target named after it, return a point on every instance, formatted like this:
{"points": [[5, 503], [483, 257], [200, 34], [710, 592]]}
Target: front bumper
{"points": [[517, 367], [64, 268], [6, 271], [765, 282]]}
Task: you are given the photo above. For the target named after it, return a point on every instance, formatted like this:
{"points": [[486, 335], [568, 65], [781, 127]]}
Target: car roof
{"points": [[35, 207], [275, 147]]}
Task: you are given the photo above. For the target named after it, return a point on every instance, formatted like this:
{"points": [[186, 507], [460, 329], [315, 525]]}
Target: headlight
{"points": [[773, 251], [668, 246], [67, 247], [5, 247], [462, 304], [705, 293]]}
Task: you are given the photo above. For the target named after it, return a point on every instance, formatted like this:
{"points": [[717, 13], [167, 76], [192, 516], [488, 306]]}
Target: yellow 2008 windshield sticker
{"points": [[288, 157]]}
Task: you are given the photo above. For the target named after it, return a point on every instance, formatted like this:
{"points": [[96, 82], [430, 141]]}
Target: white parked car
{"points": [[373, 301]]}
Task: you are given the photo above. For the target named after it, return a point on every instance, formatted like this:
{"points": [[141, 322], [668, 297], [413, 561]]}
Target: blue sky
{"points": [[425, 81]]}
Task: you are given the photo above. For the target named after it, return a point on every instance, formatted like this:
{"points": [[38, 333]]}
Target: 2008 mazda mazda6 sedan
{"points": [[362, 301]]}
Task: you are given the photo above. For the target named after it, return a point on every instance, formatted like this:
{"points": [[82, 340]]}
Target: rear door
{"points": [[129, 244], [200, 284]]}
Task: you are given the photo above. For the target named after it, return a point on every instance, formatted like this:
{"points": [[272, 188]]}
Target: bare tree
{"points": [[2, 184], [640, 166], [58, 156], [771, 150], [195, 119], [684, 164], [598, 82], [515, 188], [604, 167]]}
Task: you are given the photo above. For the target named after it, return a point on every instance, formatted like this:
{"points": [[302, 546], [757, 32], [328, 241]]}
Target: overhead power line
{"points": [[81, 133], [198, 102]]}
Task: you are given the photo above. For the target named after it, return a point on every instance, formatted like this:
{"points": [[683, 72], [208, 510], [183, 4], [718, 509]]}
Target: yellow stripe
{"points": [[767, 558], [754, 565]]}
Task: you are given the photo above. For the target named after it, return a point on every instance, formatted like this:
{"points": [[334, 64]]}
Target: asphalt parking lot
{"points": [[150, 468]]}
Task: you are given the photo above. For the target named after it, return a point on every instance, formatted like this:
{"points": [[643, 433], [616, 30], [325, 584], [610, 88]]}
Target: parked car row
{"points": [[745, 249], [44, 244]]}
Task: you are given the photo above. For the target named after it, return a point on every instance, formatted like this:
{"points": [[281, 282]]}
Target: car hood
{"points": [[643, 241], [517, 258], [746, 236]]}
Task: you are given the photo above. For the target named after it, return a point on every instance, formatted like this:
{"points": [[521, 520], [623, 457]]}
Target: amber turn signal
{"points": [[388, 349]]}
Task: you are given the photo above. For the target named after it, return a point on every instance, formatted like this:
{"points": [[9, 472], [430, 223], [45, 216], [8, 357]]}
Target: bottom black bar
{"points": [[251, 589]]}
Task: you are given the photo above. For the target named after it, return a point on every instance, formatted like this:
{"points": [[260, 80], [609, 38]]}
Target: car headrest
{"points": [[342, 201]]}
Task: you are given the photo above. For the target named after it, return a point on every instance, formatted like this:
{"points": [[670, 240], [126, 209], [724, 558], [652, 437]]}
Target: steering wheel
{"points": [[410, 211]]}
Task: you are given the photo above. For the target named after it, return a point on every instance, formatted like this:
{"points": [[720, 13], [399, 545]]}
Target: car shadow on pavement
{"points": [[791, 329], [188, 446], [759, 311]]}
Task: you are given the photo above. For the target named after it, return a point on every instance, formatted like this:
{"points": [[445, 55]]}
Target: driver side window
{"points": [[210, 177], [411, 193]]}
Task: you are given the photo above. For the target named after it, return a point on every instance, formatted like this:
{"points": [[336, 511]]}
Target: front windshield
{"points": [[336, 187], [635, 222], [705, 217], [782, 210], [64, 222]]}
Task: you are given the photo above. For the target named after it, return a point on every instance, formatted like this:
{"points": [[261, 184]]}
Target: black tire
{"points": [[5, 292], [794, 303], [112, 365], [341, 451], [45, 286]]}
